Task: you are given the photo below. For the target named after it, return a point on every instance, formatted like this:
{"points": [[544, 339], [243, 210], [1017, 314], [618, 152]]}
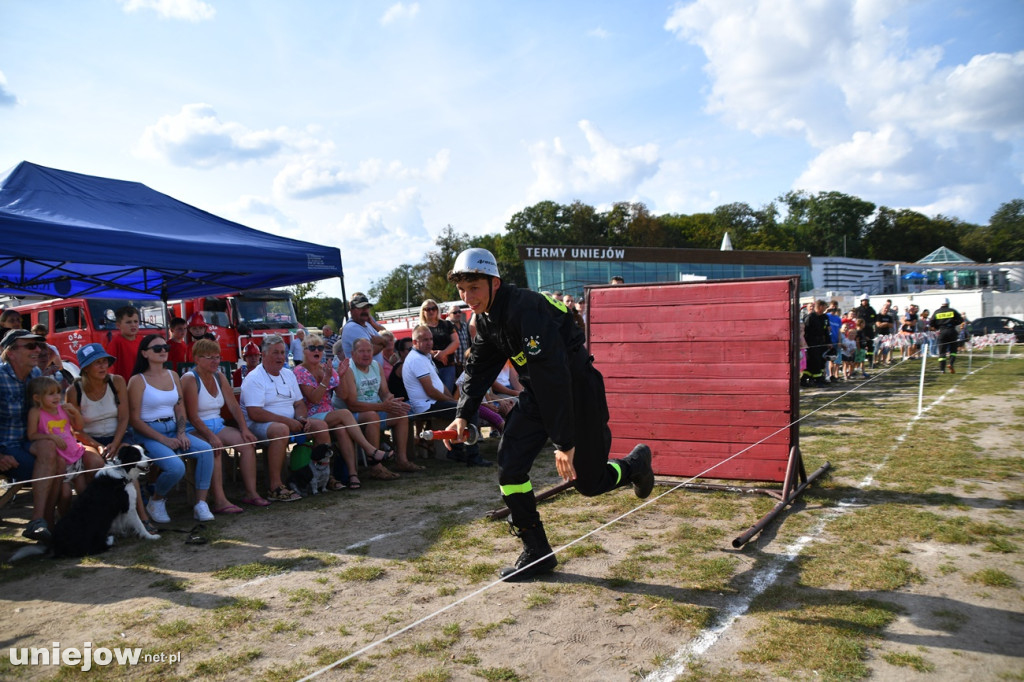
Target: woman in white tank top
{"points": [[157, 415], [207, 392]]}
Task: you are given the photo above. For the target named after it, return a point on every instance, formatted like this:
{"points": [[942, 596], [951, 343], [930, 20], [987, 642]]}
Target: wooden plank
{"points": [[746, 470], [776, 419], [740, 386], [676, 330], [696, 311], [712, 404], [743, 350], [753, 292], [712, 451], [700, 434], [692, 370]]}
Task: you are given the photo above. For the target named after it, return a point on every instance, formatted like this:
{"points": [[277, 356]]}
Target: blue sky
{"points": [[370, 126]]}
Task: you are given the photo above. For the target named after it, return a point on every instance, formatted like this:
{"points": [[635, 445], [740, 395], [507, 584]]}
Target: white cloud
{"points": [[972, 97], [313, 177], [381, 236], [196, 137], [249, 206], [7, 98], [399, 11], [189, 10], [886, 121], [609, 172], [598, 33]]}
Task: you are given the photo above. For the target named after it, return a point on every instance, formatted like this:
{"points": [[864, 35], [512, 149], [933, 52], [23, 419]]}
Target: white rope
{"points": [[239, 445], [583, 537]]}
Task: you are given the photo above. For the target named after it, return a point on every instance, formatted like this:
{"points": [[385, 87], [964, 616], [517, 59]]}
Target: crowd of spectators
{"points": [[844, 346], [358, 391]]}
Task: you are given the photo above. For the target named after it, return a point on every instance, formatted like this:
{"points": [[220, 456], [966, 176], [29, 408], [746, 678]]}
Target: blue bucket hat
{"points": [[90, 354]]}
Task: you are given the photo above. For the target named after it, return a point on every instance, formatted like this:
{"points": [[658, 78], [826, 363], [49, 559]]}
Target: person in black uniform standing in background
{"points": [[947, 321], [563, 398], [865, 312], [818, 335]]}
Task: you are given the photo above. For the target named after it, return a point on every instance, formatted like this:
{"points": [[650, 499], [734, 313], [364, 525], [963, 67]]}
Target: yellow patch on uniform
{"points": [[557, 304], [519, 359]]}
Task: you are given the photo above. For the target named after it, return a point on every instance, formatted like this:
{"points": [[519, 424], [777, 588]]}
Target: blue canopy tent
{"points": [[66, 234]]}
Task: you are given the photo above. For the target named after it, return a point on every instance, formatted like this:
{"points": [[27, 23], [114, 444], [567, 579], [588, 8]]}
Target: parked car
{"points": [[998, 325]]}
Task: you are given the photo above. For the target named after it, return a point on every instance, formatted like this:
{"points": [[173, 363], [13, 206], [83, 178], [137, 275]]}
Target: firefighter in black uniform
{"points": [[865, 312], [562, 399], [818, 335], [947, 321]]}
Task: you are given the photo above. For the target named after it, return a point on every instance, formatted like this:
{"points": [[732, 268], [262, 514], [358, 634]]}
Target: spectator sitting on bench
{"points": [[275, 411], [21, 460], [368, 396]]}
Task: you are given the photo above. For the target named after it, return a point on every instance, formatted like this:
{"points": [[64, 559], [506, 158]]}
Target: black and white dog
{"points": [[313, 478], [106, 508]]}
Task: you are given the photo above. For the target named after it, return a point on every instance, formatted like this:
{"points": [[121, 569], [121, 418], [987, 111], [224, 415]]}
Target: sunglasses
{"points": [[430, 310], [159, 348], [315, 348], [33, 345]]}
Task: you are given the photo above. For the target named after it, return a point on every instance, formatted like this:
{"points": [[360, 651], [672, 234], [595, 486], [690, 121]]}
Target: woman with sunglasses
{"points": [[157, 415], [446, 342], [316, 381], [207, 392]]}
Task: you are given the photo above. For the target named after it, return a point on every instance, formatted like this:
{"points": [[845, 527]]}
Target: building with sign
{"points": [[570, 268]]}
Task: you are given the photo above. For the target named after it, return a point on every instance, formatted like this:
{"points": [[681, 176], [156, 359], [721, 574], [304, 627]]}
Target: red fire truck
{"points": [[235, 319]]}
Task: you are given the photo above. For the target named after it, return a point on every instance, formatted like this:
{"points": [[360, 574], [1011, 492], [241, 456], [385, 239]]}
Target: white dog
{"points": [[106, 508]]}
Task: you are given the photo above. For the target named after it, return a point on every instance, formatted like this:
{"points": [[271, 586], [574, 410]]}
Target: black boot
{"points": [[641, 475], [535, 546]]}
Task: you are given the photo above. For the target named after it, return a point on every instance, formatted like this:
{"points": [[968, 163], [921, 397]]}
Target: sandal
{"points": [[229, 509], [385, 456], [380, 473], [335, 484], [255, 501], [407, 466], [195, 536], [150, 527], [353, 482], [283, 494]]}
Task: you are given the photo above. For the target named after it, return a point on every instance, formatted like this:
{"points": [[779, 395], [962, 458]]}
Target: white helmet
{"points": [[476, 261]]}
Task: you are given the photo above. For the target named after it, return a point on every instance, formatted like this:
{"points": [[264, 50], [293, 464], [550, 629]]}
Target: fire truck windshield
{"points": [[266, 313], [104, 312]]}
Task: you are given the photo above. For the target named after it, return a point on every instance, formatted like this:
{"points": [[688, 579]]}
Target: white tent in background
{"points": [[726, 243]]}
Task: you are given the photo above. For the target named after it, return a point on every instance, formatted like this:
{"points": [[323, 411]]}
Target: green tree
{"points": [[321, 310], [440, 262], [400, 288], [827, 224], [301, 296], [510, 265], [1006, 232], [631, 224]]}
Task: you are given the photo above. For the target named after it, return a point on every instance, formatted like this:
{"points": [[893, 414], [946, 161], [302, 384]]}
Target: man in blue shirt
{"points": [[20, 459]]}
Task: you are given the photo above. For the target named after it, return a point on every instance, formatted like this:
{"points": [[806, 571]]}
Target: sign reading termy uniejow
{"points": [[575, 252]]}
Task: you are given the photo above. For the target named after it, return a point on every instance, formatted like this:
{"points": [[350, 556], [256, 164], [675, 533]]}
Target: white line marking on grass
{"points": [[766, 577]]}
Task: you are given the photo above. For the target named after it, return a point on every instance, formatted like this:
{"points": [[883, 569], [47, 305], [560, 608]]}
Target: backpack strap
{"points": [[110, 382]]}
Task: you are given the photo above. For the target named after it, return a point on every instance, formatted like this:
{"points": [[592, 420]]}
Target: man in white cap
{"points": [[563, 398]]}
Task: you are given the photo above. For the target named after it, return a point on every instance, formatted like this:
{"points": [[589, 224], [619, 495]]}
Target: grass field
{"points": [[904, 562]]}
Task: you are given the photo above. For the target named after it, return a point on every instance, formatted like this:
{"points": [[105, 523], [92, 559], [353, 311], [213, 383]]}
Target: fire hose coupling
{"points": [[472, 432]]}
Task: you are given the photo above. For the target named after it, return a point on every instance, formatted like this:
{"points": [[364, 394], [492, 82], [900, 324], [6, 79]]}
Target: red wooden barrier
{"points": [[701, 371]]}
